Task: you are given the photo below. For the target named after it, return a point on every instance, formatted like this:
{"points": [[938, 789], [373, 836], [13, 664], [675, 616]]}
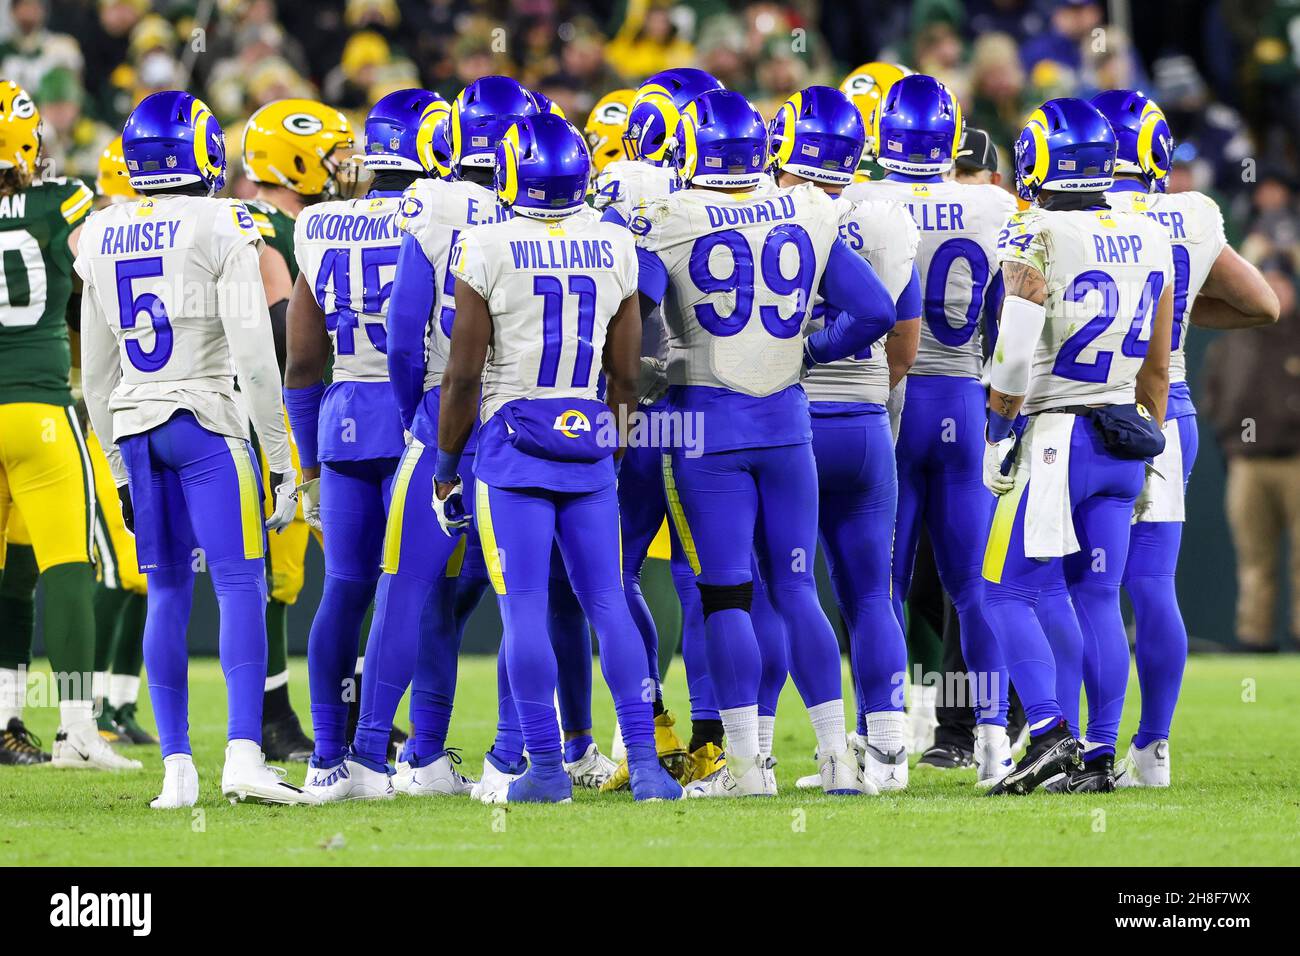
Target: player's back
{"points": [[552, 288], [1105, 274], [883, 233], [626, 183], [743, 270], [1194, 224], [956, 258], [154, 267], [36, 282], [436, 212]]}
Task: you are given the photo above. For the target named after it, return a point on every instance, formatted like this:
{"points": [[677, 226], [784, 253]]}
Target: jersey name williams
{"points": [[139, 237], [563, 254]]}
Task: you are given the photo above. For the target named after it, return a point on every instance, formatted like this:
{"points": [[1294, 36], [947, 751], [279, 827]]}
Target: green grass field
{"points": [[1234, 802]]}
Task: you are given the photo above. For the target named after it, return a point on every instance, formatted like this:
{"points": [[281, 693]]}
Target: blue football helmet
{"points": [[919, 127], [542, 167], [1145, 145], [657, 108], [545, 104], [480, 116], [818, 134], [433, 142], [172, 139], [1067, 145], [720, 140], [393, 130]]}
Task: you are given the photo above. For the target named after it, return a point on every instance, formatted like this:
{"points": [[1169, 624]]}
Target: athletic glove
{"points": [[452, 516], [652, 383], [309, 494], [284, 486], [128, 511], [1000, 464]]}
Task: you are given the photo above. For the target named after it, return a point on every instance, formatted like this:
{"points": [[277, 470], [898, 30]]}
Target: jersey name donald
{"points": [[437, 213], [154, 266], [884, 234], [1105, 273], [1195, 227], [625, 183], [348, 252], [956, 259], [552, 288], [742, 273]]}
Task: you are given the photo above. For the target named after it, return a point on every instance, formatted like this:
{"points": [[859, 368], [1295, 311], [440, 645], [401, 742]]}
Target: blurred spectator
{"points": [[1274, 226], [1072, 24], [649, 41], [997, 100], [1216, 132], [937, 45], [32, 52], [1252, 397], [1019, 19]]}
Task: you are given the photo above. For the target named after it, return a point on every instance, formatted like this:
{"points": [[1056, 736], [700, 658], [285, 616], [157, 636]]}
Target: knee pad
{"points": [[726, 597]]}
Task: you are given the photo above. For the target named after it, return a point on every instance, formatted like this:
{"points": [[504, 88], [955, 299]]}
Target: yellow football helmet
{"points": [[112, 180], [20, 128], [292, 143], [866, 87], [605, 128]]}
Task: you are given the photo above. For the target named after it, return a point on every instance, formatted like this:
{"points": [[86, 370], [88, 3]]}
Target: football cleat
{"points": [[246, 778], [283, 739], [130, 728], [886, 771], [590, 770], [841, 776], [992, 755], [672, 751], [1049, 755], [180, 783], [496, 776], [654, 782], [705, 761], [438, 778], [1097, 776], [1142, 767], [106, 725], [19, 747], [88, 751], [532, 787], [349, 779], [737, 778], [947, 757]]}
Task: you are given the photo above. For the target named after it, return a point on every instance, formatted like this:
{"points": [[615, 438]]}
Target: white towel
{"points": [[1049, 521], [1162, 493]]}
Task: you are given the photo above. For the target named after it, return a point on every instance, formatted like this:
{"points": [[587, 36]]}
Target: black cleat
{"points": [[283, 739], [130, 729], [19, 747], [947, 757], [1097, 776], [1050, 755]]}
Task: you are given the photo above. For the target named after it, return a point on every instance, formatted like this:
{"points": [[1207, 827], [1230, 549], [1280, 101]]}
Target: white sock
{"points": [[245, 751], [766, 731], [828, 724], [98, 684], [76, 716], [741, 727], [885, 730], [123, 689], [279, 680], [990, 735], [13, 691]]}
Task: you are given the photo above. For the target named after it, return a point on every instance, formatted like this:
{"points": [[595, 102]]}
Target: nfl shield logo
{"points": [[1049, 456], [171, 162]]}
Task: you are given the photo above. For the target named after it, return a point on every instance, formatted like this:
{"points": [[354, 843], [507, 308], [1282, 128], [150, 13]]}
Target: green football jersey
{"points": [[276, 228], [35, 284]]}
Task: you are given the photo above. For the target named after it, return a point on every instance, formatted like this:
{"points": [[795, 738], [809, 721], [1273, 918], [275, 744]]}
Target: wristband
{"points": [[445, 468], [999, 427]]}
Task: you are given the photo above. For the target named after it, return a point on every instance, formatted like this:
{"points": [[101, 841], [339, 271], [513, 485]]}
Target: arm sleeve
{"points": [[303, 406], [652, 280], [851, 286], [100, 372], [409, 311], [1022, 326], [252, 349], [908, 305], [992, 309]]}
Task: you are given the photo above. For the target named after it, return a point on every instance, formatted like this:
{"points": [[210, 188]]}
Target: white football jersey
{"points": [[1105, 274], [437, 212], [956, 259], [884, 234], [743, 273], [625, 183], [1195, 226], [551, 288], [153, 267], [347, 250]]}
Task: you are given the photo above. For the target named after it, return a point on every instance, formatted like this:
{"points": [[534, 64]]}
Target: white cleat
{"points": [[246, 778], [437, 779], [1144, 767], [858, 743], [492, 781], [180, 784], [88, 751], [993, 759], [348, 780], [840, 775], [590, 770], [752, 778], [884, 770]]}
